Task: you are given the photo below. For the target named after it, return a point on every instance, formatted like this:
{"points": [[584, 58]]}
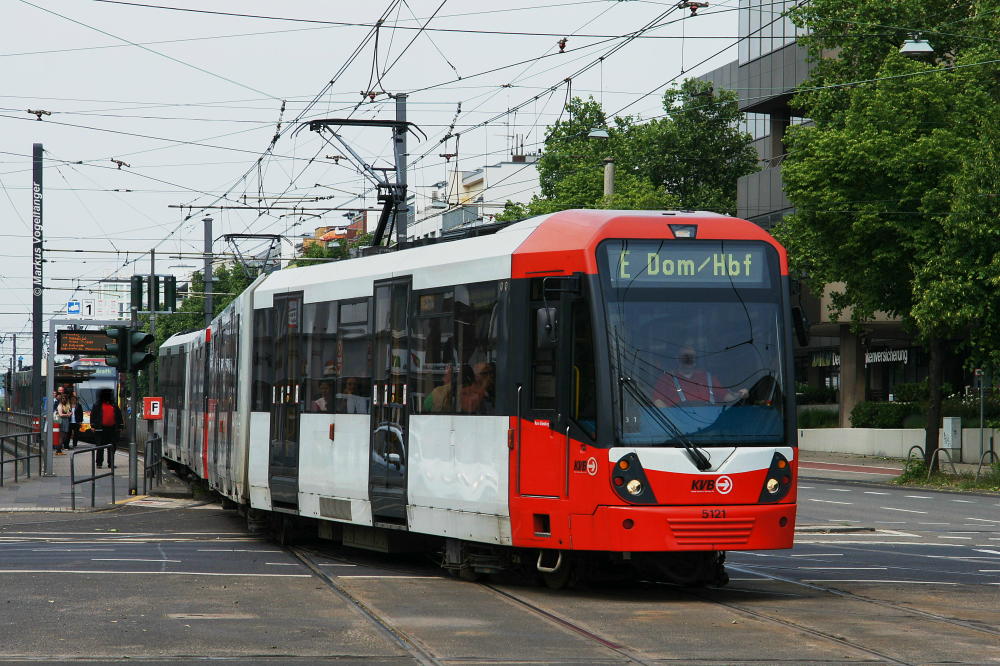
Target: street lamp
{"points": [[609, 162], [916, 46]]}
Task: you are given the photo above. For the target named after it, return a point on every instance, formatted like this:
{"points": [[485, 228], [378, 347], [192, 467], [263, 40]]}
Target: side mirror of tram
{"points": [[801, 325], [546, 328]]}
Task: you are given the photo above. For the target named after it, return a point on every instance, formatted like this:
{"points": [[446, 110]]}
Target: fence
{"points": [[19, 444], [94, 476]]}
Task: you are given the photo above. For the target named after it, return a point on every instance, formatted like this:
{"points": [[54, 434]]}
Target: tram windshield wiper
{"points": [[698, 457]]}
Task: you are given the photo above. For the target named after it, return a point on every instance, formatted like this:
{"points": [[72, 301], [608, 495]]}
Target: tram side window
{"points": [[320, 338], [433, 345], [543, 357], [263, 360], [353, 358], [584, 380], [476, 312]]}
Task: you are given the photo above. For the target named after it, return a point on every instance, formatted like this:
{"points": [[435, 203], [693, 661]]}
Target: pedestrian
{"points": [[75, 420], [107, 423], [64, 413]]}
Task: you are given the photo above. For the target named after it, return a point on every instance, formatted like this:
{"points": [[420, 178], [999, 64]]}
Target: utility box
{"points": [[951, 436]]}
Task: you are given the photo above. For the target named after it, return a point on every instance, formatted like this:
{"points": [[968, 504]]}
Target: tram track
{"points": [[877, 602], [566, 624], [406, 642]]}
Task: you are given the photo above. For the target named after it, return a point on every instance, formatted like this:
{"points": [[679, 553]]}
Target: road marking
{"points": [[895, 582], [406, 577], [282, 564], [234, 550], [984, 520], [892, 522], [844, 568], [127, 559], [839, 490], [338, 565], [872, 492], [820, 555], [955, 537], [71, 550], [889, 508], [986, 550], [918, 496], [149, 573], [811, 487], [989, 571], [965, 501], [829, 501], [933, 523]]}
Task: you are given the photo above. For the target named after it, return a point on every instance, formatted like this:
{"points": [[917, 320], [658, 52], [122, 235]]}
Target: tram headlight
{"points": [[634, 487], [772, 485]]}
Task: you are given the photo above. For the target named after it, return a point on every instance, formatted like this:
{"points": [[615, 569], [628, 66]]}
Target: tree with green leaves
{"points": [[689, 159], [888, 183]]}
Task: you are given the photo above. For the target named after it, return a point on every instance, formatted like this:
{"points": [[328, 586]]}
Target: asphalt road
{"points": [[169, 580]]}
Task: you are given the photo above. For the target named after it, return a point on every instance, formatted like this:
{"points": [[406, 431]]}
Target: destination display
{"points": [[661, 264], [82, 342]]}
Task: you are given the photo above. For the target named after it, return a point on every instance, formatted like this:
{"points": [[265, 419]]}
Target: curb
{"points": [[832, 529]]}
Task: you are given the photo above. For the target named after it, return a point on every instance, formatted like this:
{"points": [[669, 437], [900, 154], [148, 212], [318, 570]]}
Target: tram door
{"points": [[390, 416], [283, 460]]}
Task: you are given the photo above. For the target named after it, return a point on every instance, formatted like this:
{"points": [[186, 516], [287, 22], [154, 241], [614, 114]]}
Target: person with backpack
{"points": [[107, 422]]}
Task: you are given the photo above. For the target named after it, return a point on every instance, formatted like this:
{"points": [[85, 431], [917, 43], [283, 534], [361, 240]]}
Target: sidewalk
{"points": [[853, 467], [54, 493]]}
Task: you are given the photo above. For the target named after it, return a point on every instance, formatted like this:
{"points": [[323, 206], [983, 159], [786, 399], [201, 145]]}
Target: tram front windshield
{"points": [[696, 343]]}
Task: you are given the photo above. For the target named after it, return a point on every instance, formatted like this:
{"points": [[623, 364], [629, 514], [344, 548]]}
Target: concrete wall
{"points": [[890, 443]]}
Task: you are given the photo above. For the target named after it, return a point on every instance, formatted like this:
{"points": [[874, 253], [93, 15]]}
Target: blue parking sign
{"points": [[73, 307]]}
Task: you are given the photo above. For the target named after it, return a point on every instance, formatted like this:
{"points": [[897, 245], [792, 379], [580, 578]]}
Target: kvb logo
{"points": [[723, 485]]}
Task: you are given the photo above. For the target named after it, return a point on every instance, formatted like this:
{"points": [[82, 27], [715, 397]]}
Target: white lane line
{"points": [[844, 568], [889, 508], [338, 565], [955, 537], [965, 501], [746, 552], [872, 492], [127, 559], [72, 550], [989, 571], [149, 573], [918, 496], [984, 520], [895, 582], [829, 501], [234, 550], [811, 487], [890, 522], [406, 577], [282, 564], [839, 490], [820, 555], [986, 550], [933, 523]]}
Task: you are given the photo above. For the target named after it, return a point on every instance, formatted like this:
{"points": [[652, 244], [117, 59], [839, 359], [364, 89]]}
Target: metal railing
{"points": [[982, 458], [17, 421], [31, 440], [937, 452], [152, 463], [94, 476]]}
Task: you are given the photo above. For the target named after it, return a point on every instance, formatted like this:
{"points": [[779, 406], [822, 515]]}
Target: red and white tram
{"points": [[572, 392]]}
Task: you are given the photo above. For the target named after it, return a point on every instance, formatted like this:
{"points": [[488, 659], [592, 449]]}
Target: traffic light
{"points": [[139, 356], [169, 293], [136, 288], [119, 350]]}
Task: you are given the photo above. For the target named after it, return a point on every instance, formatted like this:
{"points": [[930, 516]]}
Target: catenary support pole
{"points": [[402, 211], [37, 402], [609, 176], [207, 271]]}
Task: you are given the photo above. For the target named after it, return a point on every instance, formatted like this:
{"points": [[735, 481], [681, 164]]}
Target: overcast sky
{"points": [[190, 100]]}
